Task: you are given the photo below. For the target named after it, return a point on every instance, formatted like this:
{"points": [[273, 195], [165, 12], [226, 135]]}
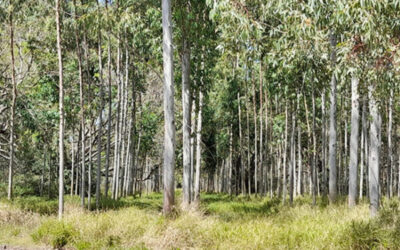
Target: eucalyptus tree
{"points": [[355, 117], [169, 123], [13, 103], [61, 110]]}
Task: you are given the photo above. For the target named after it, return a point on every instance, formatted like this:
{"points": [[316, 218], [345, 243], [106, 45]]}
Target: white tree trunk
{"points": [[373, 162], [355, 117], [332, 130], [198, 148], [186, 101], [169, 113], [61, 111]]}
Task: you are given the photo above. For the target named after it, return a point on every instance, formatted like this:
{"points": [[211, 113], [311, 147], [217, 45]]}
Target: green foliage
{"points": [[379, 232], [364, 235], [34, 204], [54, 233]]}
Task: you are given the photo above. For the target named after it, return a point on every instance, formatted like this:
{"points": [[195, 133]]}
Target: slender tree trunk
{"points": [[192, 141], [100, 129], [299, 149], [285, 153], [248, 143], [169, 127], [109, 122], [355, 117], [390, 146], [13, 105], [332, 129], [324, 146], [242, 173], [81, 103], [198, 148], [261, 133], [314, 170], [132, 145], [373, 172], [255, 141], [61, 110], [90, 166], [230, 160], [292, 159], [267, 145], [118, 126], [73, 161], [186, 96], [363, 154]]}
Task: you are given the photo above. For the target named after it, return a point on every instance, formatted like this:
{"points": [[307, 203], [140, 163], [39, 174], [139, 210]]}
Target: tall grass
{"points": [[220, 222]]}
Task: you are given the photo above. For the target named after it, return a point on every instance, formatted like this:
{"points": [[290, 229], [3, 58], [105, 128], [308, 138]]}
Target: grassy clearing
{"points": [[220, 222]]}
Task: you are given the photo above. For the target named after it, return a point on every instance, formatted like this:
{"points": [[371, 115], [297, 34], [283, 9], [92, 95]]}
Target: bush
{"points": [[38, 205], [364, 234], [55, 233]]}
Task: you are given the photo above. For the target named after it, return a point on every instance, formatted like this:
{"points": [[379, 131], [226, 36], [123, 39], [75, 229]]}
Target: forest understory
{"points": [[221, 222]]}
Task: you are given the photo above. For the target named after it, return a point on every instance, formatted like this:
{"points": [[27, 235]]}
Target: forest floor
{"points": [[221, 222]]}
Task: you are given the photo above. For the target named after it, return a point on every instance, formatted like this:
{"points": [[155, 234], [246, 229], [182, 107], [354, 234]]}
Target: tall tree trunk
{"points": [[13, 105], [324, 146], [186, 96], [242, 173], [73, 161], [299, 149], [314, 170], [230, 160], [292, 159], [248, 141], [109, 121], [192, 141], [169, 127], [61, 110], [81, 103], [101, 107], [390, 147], [255, 141], [118, 127], [132, 145], [90, 166], [363, 154], [267, 145], [373, 165], [332, 129], [285, 153], [198, 147], [261, 133], [355, 117]]}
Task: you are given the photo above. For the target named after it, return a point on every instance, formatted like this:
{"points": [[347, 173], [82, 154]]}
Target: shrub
{"points": [[364, 234], [55, 233]]}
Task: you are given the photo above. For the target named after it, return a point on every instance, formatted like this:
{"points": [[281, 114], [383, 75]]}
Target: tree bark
{"points": [[169, 126], [186, 101], [332, 129], [61, 110], [101, 107], [373, 162], [292, 159], [262, 191], [13, 106], [355, 117], [285, 154], [198, 148], [109, 122], [363, 154], [390, 147]]}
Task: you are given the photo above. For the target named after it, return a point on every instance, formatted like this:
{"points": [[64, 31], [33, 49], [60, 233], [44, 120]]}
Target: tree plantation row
{"points": [[277, 98]]}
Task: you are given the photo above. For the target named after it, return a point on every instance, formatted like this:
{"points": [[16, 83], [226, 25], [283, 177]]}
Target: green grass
{"points": [[220, 222]]}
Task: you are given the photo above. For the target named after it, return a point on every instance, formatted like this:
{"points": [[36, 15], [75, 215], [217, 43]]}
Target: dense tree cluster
{"points": [[273, 98]]}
